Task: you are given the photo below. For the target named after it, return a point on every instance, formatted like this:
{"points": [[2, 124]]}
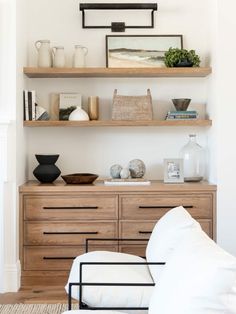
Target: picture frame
{"points": [[173, 170], [135, 51]]}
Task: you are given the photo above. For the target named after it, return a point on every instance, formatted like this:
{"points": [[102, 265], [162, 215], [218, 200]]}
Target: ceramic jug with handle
{"points": [[44, 53], [58, 57], [79, 56]]}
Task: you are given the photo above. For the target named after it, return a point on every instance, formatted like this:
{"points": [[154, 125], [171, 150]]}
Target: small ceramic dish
{"points": [[80, 178]]}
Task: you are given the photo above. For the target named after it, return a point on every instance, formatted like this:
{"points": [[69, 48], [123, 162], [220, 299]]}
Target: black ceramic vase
{"points": [[46, 171]]}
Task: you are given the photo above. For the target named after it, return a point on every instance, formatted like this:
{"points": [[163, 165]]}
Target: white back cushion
{"points": [[195, 278], [166, 235], [105, 296]]}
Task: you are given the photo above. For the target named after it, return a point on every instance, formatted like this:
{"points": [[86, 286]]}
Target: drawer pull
{"points": [[55, 233], [57, 257], [70, 207], [145, 232], [169, 207]]}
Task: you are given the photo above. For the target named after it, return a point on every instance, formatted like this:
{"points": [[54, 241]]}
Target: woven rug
{"points": [[34, 308]]}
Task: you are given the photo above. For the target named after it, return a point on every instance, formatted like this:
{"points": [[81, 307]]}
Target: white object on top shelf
{"points": [[78, 115]]}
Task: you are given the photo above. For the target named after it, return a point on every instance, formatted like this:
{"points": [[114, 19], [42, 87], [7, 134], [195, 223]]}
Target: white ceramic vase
{"points": [[44, 53], [78, 115], [58, 57], [79, 56]]}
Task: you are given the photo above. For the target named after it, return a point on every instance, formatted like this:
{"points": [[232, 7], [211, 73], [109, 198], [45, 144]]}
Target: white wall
{"points": [[204, 28], [95, 150], [226, 123]]}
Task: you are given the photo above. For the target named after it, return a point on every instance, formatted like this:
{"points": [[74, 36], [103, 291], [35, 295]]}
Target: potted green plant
{"points": [[176, 57]]}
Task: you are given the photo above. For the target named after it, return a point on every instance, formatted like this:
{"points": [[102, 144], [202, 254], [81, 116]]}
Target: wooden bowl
{"points": [[80, 178]]}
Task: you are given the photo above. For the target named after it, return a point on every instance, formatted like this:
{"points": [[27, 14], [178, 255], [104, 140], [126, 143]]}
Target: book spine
{"points": [[26, 105], [182, 117], [33, 105], [30, 104], [24, 117], [183, 112], [179, 118]]}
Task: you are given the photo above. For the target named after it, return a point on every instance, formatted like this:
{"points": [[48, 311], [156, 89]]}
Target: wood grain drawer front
{"points": [[134, 230], [50, 258], [154, 207], [207, 226], [70, 207], [143, 230], [139, 250], [70, 233], [53, 258]]}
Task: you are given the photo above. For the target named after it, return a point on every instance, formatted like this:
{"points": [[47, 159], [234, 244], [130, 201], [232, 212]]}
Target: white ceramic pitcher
{"points": [[44, 53], [79, 56], [58, 57]]}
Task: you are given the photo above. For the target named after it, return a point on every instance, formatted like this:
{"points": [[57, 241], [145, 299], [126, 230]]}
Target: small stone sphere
{"points": [[137, 168], [115, 171], [125, 173]]}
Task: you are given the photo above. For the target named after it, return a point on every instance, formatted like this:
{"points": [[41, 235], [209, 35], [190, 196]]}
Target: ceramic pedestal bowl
{"points": [[181, 104]]}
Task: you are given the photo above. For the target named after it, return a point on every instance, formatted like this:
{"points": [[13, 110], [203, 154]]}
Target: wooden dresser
{"points": [[55, 220]]}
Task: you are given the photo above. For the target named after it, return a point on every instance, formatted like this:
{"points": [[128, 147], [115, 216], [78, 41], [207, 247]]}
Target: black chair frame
{"points": [[81, 284]]}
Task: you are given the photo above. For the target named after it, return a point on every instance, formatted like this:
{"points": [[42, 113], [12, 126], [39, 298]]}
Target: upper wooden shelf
{"points": [[113, 123], [115, 72]]}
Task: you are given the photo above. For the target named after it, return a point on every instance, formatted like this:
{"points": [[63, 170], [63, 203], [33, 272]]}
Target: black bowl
{"points": [[184, 64], [181, 104], [47, 159]]}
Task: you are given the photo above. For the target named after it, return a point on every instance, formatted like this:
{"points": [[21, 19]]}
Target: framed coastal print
{"points": [[173, 171], [135, 51]]}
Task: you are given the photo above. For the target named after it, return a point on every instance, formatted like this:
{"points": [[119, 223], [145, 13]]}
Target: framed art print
{"points": [[173, 171], [135, 51]]}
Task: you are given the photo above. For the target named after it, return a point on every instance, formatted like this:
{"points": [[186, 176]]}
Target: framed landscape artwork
{"points": [[136, 51]]}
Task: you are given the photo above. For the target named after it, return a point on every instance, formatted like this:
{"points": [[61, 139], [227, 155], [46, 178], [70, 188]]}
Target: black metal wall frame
{"points": [[81, 284], [118, 26]]}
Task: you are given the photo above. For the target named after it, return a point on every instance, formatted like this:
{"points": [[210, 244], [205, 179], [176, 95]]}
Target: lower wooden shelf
{"points": [[111, 123]]}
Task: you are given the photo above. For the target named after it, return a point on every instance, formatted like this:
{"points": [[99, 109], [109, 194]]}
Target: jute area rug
{"points": [[34, 308]]}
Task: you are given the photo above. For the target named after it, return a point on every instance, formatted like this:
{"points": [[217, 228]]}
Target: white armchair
{"points": [[198, 278]]}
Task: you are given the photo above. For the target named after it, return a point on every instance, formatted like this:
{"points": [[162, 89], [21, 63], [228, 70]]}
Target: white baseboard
{"points": [[12, 274]]}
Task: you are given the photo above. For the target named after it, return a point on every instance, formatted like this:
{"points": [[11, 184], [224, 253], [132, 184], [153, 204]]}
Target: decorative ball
{"points": [[115, 171], [137, 168], [125, 173]]}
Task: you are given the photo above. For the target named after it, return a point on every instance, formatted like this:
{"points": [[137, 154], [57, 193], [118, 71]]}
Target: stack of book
{"points": [[182, 115], [29, 105]]}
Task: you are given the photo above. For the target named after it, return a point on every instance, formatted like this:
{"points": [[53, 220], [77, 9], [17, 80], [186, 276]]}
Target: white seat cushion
{"points": [[195, 278], [166, 235], [229, 300], [106, 296]]}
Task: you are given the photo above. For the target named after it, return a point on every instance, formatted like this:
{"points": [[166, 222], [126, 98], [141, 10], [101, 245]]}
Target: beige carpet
{"points": [[34, 308]]}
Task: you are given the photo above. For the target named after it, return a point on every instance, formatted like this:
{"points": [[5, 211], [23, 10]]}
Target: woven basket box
{"points": [[132, 107]]}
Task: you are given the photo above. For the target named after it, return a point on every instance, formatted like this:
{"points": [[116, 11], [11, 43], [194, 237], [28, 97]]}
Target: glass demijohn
{"points": [[194, 160]]}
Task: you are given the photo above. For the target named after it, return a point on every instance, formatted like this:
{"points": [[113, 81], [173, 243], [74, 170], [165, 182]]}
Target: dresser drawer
{"points": [[81, 207], [138, 250], [55, 257], [134, 230], [154, 207], [207, 226], [143, 230], [69, 233]]}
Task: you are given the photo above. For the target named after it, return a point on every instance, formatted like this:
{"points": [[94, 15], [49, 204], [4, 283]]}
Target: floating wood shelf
{"points": [[111, 123], [115, 72]]}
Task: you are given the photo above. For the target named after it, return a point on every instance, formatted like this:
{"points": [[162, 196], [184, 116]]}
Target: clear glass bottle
{"points": [[194, 160]]}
